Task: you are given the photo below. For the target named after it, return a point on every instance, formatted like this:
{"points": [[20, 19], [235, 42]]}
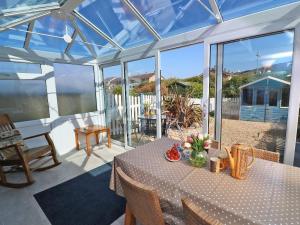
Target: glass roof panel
{"points": [[79, 49], [4, 21], [231, 9], [13, 38], [53, 30], [115, 19], [171, 17], [99, 44], [10, 4]]}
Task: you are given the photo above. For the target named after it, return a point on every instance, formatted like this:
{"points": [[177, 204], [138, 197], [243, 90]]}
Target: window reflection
{"points": [[256, 85]]}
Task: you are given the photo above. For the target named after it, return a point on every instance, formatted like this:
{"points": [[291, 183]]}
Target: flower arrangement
{"points": [[199, 146]]}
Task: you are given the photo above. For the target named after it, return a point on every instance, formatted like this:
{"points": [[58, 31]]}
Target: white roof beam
{"points": [[28, 35], [72, 42], [29, 10], [208, 10], [69, 5], [96, 29], [215, 8], [83, 38], [23, 20], [142, 19]]}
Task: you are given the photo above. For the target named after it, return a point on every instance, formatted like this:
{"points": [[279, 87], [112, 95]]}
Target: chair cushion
{"points": [[9, 138], [9, 133]]}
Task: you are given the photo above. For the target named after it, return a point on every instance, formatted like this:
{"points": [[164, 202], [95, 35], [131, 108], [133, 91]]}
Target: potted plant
{"points": [[199, 146], [146, 109]]}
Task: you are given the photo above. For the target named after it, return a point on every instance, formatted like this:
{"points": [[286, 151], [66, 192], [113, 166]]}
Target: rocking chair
{"points": [[13, 152]]}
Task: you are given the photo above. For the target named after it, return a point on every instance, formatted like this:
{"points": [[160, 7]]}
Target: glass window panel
{"points": [[9, 4], [27, 99], [260, 97], [13, 38], [253, 64], [212, 89], [182, 78], [236, 8], [55, 29], [113, 101], [15, 67], [285, 96], [247, 96], [78, 96], [141, 101], [116, 20], [174, 17], [99, 44], [273, 97]]}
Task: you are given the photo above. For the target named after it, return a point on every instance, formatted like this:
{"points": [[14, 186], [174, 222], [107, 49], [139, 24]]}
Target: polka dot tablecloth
{"points": [[269, 195]]}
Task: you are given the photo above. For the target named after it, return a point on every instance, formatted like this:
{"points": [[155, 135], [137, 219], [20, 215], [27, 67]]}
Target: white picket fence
{"points": [[114, 109]]}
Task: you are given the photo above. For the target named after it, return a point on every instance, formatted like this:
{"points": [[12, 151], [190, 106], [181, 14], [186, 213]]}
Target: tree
{"points": [[117, 90], [196, 90], [231, 87]]}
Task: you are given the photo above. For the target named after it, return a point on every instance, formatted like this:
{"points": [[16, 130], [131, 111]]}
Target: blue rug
{"points": [[83, 200]]}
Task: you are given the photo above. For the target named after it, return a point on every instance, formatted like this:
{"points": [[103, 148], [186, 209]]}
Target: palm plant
{"points": [[182, 110]]}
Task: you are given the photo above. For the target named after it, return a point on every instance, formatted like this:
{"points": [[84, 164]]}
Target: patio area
{"points": [[104, 103]]}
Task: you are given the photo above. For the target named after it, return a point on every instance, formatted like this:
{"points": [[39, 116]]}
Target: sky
{"points": [[238, 56], [181, 62]]}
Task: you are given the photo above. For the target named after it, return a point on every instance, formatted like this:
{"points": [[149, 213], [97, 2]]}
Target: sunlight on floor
{"points": [[14, 201]]}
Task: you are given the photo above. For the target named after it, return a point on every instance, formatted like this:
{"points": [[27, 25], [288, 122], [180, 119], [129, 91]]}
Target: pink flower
{"points": [[189, 139], [206, 144]]}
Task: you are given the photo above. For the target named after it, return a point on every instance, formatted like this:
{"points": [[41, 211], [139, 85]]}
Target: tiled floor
{"points": [[18, 206]]}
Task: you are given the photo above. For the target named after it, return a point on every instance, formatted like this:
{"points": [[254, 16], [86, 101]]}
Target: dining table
{"points": [[269, 195]]}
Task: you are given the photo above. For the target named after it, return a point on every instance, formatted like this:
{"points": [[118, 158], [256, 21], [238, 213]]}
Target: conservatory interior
{"points": [[149, 112]]}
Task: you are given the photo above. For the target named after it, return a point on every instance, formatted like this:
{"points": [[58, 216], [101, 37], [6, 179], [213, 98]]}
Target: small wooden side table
{"points": [[91, 131]]}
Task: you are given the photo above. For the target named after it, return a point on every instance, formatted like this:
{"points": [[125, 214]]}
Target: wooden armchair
{"points": [[194, 215], [142, 202], [13, 152], [266, 155]]}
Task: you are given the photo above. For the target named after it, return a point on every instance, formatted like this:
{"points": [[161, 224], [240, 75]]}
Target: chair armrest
{"points": [[37, 135], [9, 146]]}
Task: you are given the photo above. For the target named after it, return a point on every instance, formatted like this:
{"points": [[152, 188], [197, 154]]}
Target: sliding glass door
{"points": [[140, 98], [112, 80], [297, 147], [256, 80], [181, 90]]}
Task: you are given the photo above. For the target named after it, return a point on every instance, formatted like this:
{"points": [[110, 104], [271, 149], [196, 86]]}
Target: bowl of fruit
{"points": [[173, 155]]}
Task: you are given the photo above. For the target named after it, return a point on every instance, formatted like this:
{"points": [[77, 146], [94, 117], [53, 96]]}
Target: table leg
{"points": [[76, 140], [129, 218], [97, 137], [108, 137], [88, 145]]}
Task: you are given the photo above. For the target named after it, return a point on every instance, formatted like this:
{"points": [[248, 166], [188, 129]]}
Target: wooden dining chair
{"points": [[215, 144], [266, 155], [142, 202], [194, 215], [13, 152]]}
